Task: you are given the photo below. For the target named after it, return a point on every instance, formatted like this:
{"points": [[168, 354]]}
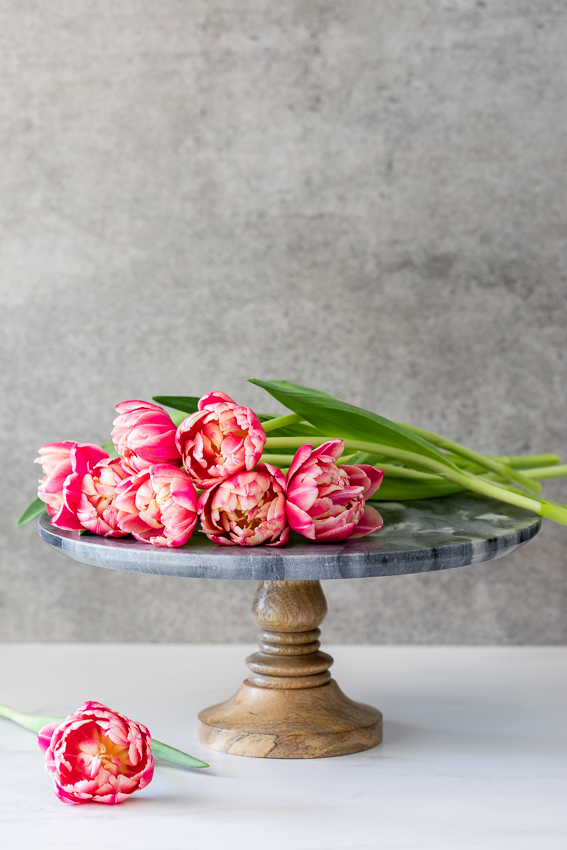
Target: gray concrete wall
{"points": [[368, 197]]}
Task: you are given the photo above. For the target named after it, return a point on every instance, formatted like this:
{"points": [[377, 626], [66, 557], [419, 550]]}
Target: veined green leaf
{"points": [[364, 431], [186, 403], [336, 418], [35, 509], [190, 404]]}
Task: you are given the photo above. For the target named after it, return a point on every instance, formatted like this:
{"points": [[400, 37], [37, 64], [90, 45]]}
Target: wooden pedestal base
{"points": [[290, 707]]}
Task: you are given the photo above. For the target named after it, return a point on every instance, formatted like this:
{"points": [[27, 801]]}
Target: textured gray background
{"points": [[368, 197]]}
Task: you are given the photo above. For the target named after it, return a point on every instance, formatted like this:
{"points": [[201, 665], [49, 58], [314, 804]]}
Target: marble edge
{"points": [[244, 566]]}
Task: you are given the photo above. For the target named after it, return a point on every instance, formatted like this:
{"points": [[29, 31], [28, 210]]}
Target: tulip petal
{"points": [[371, 521], [332, 449], [300, 521], [45, 734]]}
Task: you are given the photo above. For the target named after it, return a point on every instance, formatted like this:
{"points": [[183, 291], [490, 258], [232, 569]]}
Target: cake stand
{"points": [[289, 707]]}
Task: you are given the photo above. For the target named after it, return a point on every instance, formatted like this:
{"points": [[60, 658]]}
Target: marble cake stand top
{"points": [[418, 536]]}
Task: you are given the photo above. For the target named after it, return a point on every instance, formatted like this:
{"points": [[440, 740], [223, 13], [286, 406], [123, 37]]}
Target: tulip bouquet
{"points": [[214, 461]]}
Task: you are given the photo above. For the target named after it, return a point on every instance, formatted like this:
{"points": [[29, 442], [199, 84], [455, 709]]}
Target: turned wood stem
{"points": [[289, 613], [289, 707]]}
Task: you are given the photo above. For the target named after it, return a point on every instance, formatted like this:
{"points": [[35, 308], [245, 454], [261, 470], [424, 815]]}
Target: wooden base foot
{"points": [[290, 724], [290, 707]]}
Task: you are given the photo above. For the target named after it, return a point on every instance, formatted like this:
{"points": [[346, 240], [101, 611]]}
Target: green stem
{"points": [[282, 421], [403, 472], [526, 461], [482, 460], [542, 473], [464, 479], [162, 751], [29, 721], [277, 460]]}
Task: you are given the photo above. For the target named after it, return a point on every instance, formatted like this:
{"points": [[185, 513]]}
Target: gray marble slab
{"points": [[420, 536]]}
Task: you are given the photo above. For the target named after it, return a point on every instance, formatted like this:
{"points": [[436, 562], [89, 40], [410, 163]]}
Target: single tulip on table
{"points": [[96, 754]]}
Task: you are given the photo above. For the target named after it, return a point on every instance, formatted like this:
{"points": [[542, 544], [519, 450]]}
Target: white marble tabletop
{"points": [[473, 755]]}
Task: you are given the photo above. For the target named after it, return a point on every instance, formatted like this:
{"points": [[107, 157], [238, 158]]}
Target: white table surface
{"points": [[474, 753]]}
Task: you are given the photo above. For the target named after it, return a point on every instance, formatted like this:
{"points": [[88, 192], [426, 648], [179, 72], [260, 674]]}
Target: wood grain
{"points": [[289, 707]]}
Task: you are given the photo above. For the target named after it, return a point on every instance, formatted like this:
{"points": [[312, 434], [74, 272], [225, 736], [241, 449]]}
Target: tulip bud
{"points": [[144, 434], [158, 505], [326, 502], [247, 509], [60, 461], [97, 755], [219, 440]]}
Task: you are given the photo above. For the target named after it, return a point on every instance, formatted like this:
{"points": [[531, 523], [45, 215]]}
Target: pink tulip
{"points": [[326, 502], [97, 755], [56, 464], [247, 509], [219, 440], [144, 434], [158, 505], [91, 497], [59, 461]]}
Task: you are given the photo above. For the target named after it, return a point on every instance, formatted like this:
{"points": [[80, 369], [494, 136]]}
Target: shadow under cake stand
{"points": [[290, 707]]}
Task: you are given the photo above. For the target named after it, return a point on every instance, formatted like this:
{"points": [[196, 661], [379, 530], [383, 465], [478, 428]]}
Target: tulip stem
{"points": [[162, 751], [457, 476], [29, 721], [277, 460], [523, 461], [282, 421], [486, 462], [541, 473]]}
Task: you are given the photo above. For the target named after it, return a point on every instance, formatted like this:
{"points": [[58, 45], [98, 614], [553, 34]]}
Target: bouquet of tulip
{"points": [[218, 462]]}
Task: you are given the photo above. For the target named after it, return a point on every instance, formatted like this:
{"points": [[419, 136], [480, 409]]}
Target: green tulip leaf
{"points": [[35, 509], [109, 449], [186, 403], [164, 751], [190, 404], [336, 418]]}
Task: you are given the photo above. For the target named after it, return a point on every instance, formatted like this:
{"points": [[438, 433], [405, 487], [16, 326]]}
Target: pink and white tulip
{"points": [[55, 461], [59, 461], [158, 505], [144, 434], [91, 497], [247, 509], [97, 755], [326, 502], [219, 440]]}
